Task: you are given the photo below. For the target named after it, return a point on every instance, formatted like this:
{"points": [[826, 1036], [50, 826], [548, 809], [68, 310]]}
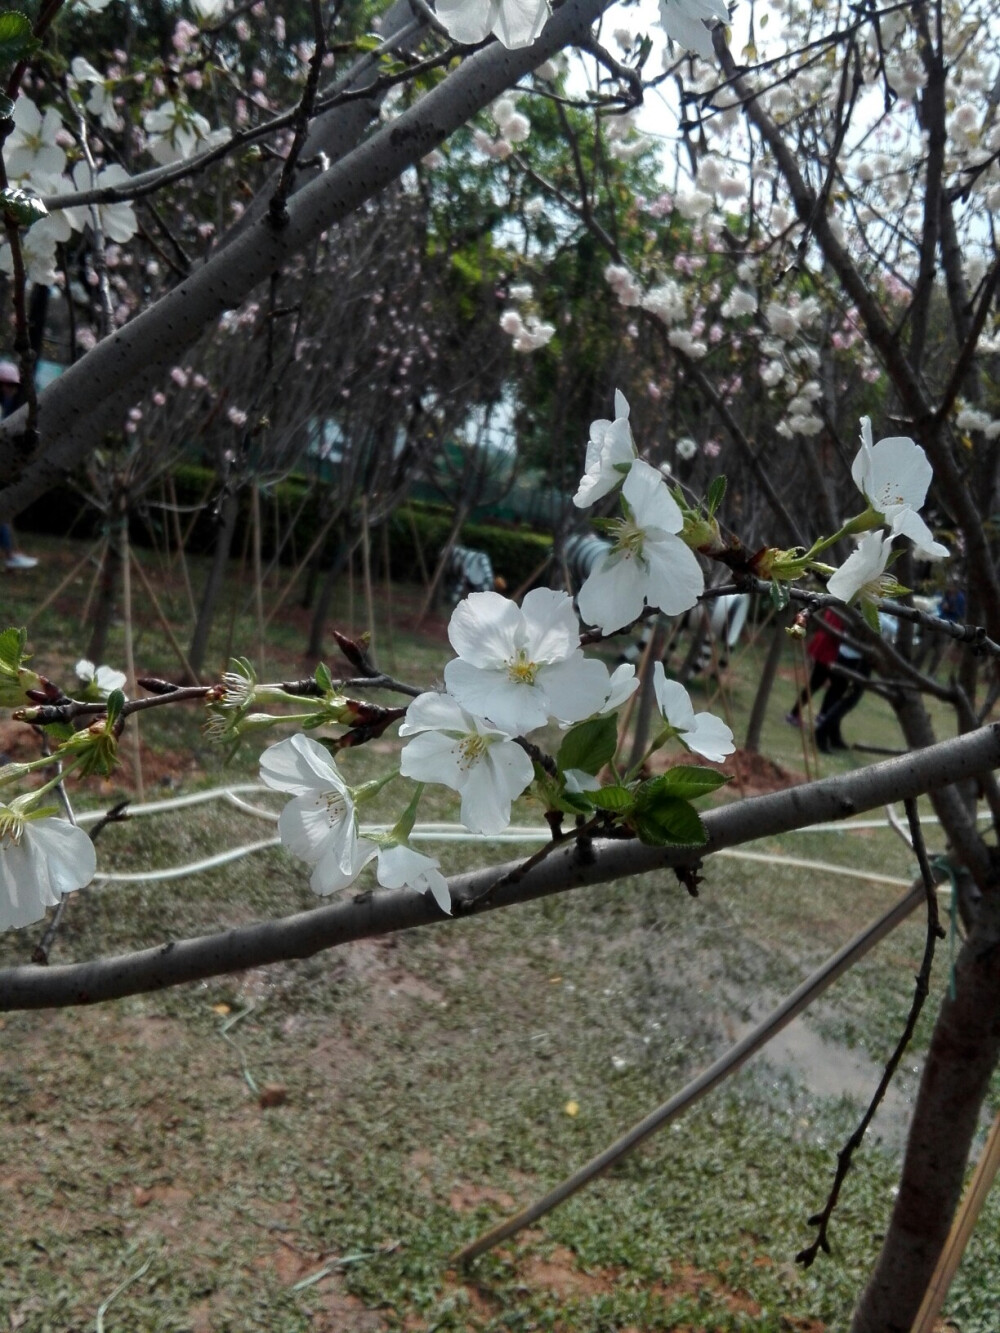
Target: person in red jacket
{"points": [[822, 648]]}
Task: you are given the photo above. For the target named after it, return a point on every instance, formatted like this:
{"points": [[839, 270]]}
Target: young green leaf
{"points": [[589, 745], [616, 799], [661, 820], [323, 678], [688, 781], [22, 207], [16, 40], [116, 702], [716, 492], [12, 645]]}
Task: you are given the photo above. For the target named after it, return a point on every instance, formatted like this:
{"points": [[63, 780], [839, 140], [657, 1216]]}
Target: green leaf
{"points": [[574, 802], [616, 799], [16, 40], [779, 595], [22, 207], [12, 645], [323, 678], [869, 613], [688, 781], [589, 745], [116, 702], [716, 491], [660, 818]]}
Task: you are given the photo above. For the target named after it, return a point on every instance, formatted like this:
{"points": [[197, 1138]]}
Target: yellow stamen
{"points": [[471, 748]]}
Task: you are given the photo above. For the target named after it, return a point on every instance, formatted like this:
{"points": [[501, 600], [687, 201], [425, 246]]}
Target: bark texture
{"points": [[963, 1054]]}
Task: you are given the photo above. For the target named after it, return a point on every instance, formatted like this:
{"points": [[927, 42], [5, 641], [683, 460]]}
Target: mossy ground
{"points": [[422, 1085]]}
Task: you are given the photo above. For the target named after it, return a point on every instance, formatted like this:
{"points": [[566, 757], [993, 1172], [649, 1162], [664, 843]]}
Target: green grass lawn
{"points": [[303, 1147]]}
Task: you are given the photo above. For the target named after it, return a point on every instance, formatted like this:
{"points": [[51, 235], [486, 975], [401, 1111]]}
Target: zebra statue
{"points": [[727, 615], [582, 551], [468, 570]]}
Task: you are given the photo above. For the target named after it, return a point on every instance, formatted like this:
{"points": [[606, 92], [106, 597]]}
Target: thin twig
{"points": [[921, 987]]}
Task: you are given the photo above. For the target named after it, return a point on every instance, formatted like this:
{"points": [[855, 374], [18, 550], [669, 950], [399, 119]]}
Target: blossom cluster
{"points": [[517, 23]]}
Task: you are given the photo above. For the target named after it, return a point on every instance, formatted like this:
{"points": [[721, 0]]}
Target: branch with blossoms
{"points": [[368, 915], [517, 669]]}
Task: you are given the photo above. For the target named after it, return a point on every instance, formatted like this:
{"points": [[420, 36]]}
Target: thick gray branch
{"points": [[91, 397], [386, 911]]}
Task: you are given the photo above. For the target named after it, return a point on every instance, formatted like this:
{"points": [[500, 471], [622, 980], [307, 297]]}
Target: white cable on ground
{"points": [[452, 833], [230, 795]]}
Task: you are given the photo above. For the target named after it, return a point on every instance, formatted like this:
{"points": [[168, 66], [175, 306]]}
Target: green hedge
{"points": [[516, 553]]}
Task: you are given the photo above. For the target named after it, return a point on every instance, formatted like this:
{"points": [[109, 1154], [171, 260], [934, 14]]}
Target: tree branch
{"points": [[91, 395], [384, 912]]}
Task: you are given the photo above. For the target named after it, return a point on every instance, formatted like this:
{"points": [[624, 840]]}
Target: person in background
{"points": [[842, 694], [10, 398], [822, 648]]}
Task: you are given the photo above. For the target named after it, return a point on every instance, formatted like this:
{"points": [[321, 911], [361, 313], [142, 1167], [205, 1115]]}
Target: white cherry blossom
{"points": [[40, 860], [38, 248], [31, 153], [623, 684], [514, 22], [684, 23], [610, 453], [176, 132], [704, 733], [648, 563], [519, 666], [399, 866], [320, 825], [463, 752], [104, 679], [862, 575], [101, 101], [893, 476], [117, 221]]}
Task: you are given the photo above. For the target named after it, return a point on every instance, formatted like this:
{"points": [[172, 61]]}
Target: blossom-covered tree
{"points": [[830, 259]]}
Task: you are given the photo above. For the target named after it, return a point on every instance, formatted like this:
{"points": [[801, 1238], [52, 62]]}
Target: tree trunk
{"points": [[963, 1054], [962, 1057], [213, 585], [767, 678], [110, 581], [314, 648]]}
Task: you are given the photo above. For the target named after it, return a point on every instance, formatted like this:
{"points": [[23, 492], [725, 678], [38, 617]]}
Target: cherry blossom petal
{"points": [[674, 578], [516, 706], [673, 699], [682, 21], [575, 689], [400, 867], [710, 737], [49, 858], [484, 628], [66, 854], [299, 765], [551, 629], [650, 500], [613, 596], [331, 872], [908, 523], [861, 571], [492, 785]]}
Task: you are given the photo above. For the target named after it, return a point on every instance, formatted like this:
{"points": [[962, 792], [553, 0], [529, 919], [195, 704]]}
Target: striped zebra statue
{"points": [[468, 570]]}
